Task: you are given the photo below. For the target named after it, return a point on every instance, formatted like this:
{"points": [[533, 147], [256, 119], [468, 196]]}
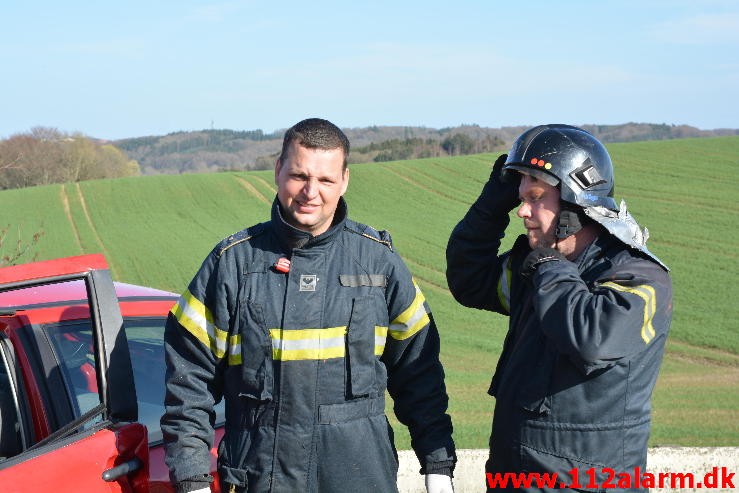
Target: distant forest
{"points": [[47, 155], [223, 150]]}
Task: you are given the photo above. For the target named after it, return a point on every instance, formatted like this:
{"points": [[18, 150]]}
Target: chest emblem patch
{"points": [[308, 282]]}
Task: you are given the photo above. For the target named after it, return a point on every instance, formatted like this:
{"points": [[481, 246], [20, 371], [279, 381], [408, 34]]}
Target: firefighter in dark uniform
{"points": [[301, 323], [589, 309]]}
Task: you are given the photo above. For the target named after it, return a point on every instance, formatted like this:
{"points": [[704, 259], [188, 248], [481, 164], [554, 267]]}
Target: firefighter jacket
{"points": [[585, 341], [303, 359]]}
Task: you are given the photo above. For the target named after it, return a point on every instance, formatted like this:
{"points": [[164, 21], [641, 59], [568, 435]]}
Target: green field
{"points": [[156, 230]]}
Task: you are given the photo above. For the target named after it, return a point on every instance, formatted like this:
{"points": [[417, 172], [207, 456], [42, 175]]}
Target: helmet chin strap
{"points": [[571, 220]]}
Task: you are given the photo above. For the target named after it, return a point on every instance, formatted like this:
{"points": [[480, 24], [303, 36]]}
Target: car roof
{"points": [[75, 292]]}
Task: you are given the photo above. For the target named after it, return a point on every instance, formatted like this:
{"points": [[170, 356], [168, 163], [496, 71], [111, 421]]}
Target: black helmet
{"points": [[569, 157], [574, 160]]}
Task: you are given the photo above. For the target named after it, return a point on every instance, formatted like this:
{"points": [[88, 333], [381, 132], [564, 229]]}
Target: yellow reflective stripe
{"points": [[194, 316], [504, 285], [412, 319], [380, 338], [234, 350], [646, 293], [308, 344], [315, 344]]}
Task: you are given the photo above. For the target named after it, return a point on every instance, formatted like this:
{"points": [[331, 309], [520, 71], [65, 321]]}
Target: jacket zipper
{"points": [[278, 396]]}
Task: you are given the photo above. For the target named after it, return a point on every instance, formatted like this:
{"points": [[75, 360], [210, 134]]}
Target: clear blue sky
{"points": [[133, 68]]}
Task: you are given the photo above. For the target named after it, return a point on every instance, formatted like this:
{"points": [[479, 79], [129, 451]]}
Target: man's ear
{"points": [[345, 185], [278, 167]]}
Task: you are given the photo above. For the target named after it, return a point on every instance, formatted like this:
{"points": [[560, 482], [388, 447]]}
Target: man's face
{"points": [[310, 183], [539, 210]]}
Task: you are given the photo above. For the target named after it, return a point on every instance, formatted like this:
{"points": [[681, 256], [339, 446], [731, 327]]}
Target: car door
{"points": [[99, 447]]}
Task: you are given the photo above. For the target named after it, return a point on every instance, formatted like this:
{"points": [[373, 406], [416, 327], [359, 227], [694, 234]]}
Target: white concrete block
{"points": [[469, 476]]}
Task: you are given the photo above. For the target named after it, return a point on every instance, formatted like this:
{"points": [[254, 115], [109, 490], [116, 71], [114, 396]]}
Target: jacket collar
{"points": [[292, 238], [596, 250]]}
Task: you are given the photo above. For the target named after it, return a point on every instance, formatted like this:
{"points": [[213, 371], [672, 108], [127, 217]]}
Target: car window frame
{"points": [[115, 381], [20, 401]]}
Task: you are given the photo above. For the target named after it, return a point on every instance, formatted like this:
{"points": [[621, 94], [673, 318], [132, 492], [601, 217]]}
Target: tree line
{"points": [[226, 150], [44, 155], [457, 144], [213, 140]]}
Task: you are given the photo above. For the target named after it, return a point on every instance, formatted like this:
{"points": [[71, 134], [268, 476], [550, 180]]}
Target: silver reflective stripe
{"points": [[504, 285], [192, 314], [380, 339], [413, 318], [292, 345], [308, 344], [234, 350]]}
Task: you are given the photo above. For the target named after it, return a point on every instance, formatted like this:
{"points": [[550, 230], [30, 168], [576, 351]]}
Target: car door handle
{"points": [[122, 469]]}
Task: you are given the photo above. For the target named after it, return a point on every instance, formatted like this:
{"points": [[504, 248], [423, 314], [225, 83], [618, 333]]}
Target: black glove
{"points": [[500, 193], [538, 256]]}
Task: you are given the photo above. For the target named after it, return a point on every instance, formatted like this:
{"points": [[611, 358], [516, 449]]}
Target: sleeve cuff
{"points": [[193, 484], [445, 467]]}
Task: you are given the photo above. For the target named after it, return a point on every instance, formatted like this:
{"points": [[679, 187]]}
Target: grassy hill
{"points": [[156, 230]]}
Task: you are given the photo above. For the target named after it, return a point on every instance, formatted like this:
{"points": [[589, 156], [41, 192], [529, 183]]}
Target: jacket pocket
{"points": [[360, 350], [256, 355], [577, 474], [587, 450]]}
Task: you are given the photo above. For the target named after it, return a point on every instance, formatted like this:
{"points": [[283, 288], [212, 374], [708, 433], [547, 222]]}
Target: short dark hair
{"points": [[315, 133]]}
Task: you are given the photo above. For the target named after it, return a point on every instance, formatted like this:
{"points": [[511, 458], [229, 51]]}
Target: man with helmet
{"points": [[589, 309]]}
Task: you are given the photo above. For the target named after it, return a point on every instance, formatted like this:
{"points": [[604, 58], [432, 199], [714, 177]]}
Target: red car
{"points": [[82, 380]]}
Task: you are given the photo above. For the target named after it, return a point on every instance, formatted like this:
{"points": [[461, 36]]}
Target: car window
{"points": [[146, 345], [73, 345], [10, 425]]}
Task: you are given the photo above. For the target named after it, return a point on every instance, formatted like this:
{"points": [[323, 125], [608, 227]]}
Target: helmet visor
{"points": [[537, 173]]}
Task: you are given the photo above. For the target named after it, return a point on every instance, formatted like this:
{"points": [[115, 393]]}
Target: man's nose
{"points": [[310, 188], [524, 210]]}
